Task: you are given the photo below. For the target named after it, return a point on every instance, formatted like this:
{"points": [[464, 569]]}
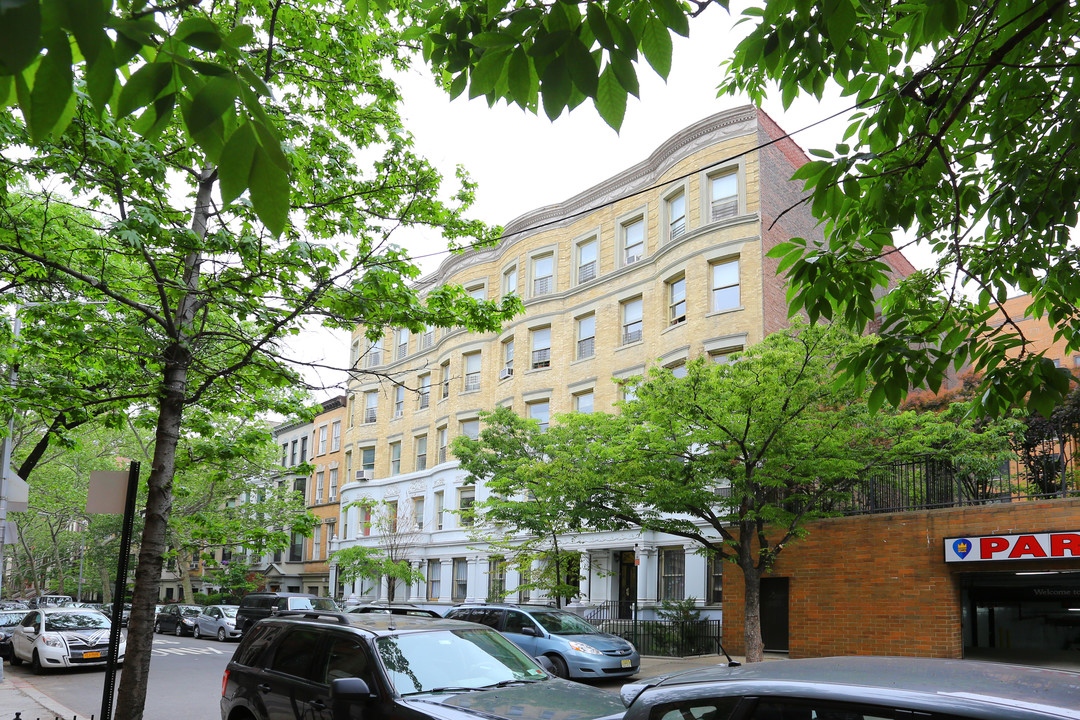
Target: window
{"points": [[715, 589], [392, 515], [399, 401], [425, 391], [508, 359], [318, 488], [672, 573], [586, 336], [472, 372], [427, 339], [460, 588], [677, 301], [333, 484], [509, 283], [284, 454], [586, 261], [633, 241], [444, 375], [421, 452], [540, 411], [371, 406], [723, 357], [316, 543], [438, 516], [354, 354], [477, 292], [323, 431], [441, 435], [292, 453], [374, 353], [296, 547], [434, 569], [583, 402], [496, 579], [402, 343], [335, 436], [676, 215], [541, 348], [470, 428], [466, 500], [679, 370], [367, 459], [724, 196], [725, 285], [395, 458], [631, 322], [303, 449], [418, 511], [543, 272]]}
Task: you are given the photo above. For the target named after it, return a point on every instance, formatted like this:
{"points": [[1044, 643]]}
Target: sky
{"points": [[523, 161]]}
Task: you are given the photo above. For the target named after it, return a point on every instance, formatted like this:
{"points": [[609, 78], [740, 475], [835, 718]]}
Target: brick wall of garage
{"points": [[879, 584]]}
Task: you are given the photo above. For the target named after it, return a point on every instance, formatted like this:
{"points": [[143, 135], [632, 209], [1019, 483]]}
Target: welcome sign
{"points": [[1026, 546]]}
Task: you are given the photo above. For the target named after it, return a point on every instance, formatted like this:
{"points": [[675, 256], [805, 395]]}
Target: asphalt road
{"points": [[185, 681]]}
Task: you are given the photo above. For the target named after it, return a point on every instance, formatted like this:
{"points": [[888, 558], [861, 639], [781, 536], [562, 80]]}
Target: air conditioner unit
{"points": [[365, 474], [505, 373], [333, 499], [631, 259]]}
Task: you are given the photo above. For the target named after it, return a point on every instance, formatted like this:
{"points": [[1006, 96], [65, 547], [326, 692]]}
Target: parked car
{"points": [[217, 621], [392, 667], [177, 619], [575, 648], [258, 605], [9, 620], [125, 612], [48, 601], [58, 637], [393, 609], [858, 688], [13, 605]]}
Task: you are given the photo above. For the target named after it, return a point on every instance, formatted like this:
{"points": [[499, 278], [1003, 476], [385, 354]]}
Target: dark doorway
{"points": [[627, 584], [774, 614]]}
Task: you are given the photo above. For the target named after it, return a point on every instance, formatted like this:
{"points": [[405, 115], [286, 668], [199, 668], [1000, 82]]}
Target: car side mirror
{"points": [[530, 631], [346, 692], [545, 662]]}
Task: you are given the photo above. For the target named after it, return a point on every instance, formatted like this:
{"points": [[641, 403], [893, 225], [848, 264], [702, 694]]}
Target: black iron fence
{"points": [[668, 638]]}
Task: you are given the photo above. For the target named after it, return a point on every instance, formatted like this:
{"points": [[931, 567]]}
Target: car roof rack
{"points": [[342, 618]]}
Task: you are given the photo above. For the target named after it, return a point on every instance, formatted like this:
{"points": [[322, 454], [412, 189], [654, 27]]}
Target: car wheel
{"points": [[179, 629], [157, 626], [196, 632], [221, 634], [560, 667], [35, 664]]}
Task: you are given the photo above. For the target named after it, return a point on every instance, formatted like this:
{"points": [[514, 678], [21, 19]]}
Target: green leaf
{"points": [[611, 99], [494, 40], [656, 46], [20, 34], [672, 15], [519, 76], [143, 87], [598, 24], [216, 97], [625, 72], [556, 86], [269, 190], [840, 21], [485, 74], [52, 91], [235, 164], [199, 32], [582, 65]]}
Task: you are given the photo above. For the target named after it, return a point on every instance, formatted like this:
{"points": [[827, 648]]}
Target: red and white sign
{"points": [[1028, 546]]}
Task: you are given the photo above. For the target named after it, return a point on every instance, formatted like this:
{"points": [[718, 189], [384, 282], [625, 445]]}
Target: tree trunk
{"points": [[131, 698], [755, 649], [183, 563], [106, 585]]}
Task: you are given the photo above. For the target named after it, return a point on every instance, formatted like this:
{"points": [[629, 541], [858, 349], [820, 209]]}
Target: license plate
{"points": [[88, 655], [626, 662]]}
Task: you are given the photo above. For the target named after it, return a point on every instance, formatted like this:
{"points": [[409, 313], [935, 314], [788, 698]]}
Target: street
{"points": [[184, 673]]}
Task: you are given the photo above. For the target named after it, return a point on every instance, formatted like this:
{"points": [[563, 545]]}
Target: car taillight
{"points": [[224, 682]]}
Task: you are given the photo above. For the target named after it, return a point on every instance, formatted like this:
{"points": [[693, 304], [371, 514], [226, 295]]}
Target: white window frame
{"points": [[395, 458], [718, 209], [466, 425], [508, 358], [585, 347], [477, 291], [323, 438], [676, 301], [423, 400], [510, 280], [401, 343], [420, 452], [437, 511], [542, 284], [544, 417], [586, 270], [335, 436], [473, 364], [399, 401], [371, 406], [442, 434], [540, 348], [633, 330], [714, 297], [627, 258], [591, 394], [676, 223]]}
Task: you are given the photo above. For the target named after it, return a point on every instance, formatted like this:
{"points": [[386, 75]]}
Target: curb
{"points": [[43, 701]]}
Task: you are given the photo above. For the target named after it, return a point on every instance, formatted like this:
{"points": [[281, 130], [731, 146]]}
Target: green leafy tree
{"points": [[524, 519], [396, 533], [235, 580], [961, 134], [174, 209]]}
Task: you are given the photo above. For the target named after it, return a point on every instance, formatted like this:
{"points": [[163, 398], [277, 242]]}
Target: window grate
{"points": [[586, 347], [542, 285], [587, 272], [725, 208], [541, 358], [371, 415], [632, 334]]}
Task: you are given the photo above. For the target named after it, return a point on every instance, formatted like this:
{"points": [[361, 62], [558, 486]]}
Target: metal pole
{"points": [[121, 592], [5, 459]]}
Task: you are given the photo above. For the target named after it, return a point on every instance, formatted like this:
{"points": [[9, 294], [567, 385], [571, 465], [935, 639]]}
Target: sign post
{"points": [[105, 490]]}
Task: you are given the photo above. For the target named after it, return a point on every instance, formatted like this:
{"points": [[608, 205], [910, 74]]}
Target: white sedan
{"points": [[58, 637]]}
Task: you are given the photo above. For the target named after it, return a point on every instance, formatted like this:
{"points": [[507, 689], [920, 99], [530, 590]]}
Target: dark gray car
{"points": [[858, 688], [379, 666]]}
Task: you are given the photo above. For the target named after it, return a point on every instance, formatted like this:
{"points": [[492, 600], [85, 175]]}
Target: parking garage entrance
{"points": [[1012, 616]]}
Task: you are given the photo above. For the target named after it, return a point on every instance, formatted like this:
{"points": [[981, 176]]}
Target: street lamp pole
{"points": [[5, 458]]}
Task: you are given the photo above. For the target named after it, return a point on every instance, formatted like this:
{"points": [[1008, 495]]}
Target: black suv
{"points": [[258, 605], [377, 666]]}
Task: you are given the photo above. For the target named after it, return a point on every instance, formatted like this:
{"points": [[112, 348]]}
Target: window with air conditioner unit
{"points": [[505, 373], [365, 474], [508, 360], [633, 236]]}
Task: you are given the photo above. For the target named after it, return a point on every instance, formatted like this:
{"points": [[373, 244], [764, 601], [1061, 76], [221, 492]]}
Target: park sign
{"points": [[1025, 546]]}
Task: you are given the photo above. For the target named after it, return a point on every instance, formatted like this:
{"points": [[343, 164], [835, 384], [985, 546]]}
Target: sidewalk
{"points": [[652, 665], [19, 696]]}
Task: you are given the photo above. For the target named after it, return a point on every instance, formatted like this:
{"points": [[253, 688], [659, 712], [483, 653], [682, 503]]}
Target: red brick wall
{"points": [[879, 585]]}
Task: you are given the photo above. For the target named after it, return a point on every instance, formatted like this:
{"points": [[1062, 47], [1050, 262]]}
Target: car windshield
{"points": [[313, 604], [228, 611], [12, 617], [75, 621], [454, 660], [563, 623]]}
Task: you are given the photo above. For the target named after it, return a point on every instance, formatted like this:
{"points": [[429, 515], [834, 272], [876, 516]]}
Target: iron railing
{"points": [[668, 638]]}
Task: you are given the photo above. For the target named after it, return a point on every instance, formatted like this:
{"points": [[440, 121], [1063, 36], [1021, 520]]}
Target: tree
{"points": [[397, 533], [149, 215], [961, 135], [523, 521]]}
